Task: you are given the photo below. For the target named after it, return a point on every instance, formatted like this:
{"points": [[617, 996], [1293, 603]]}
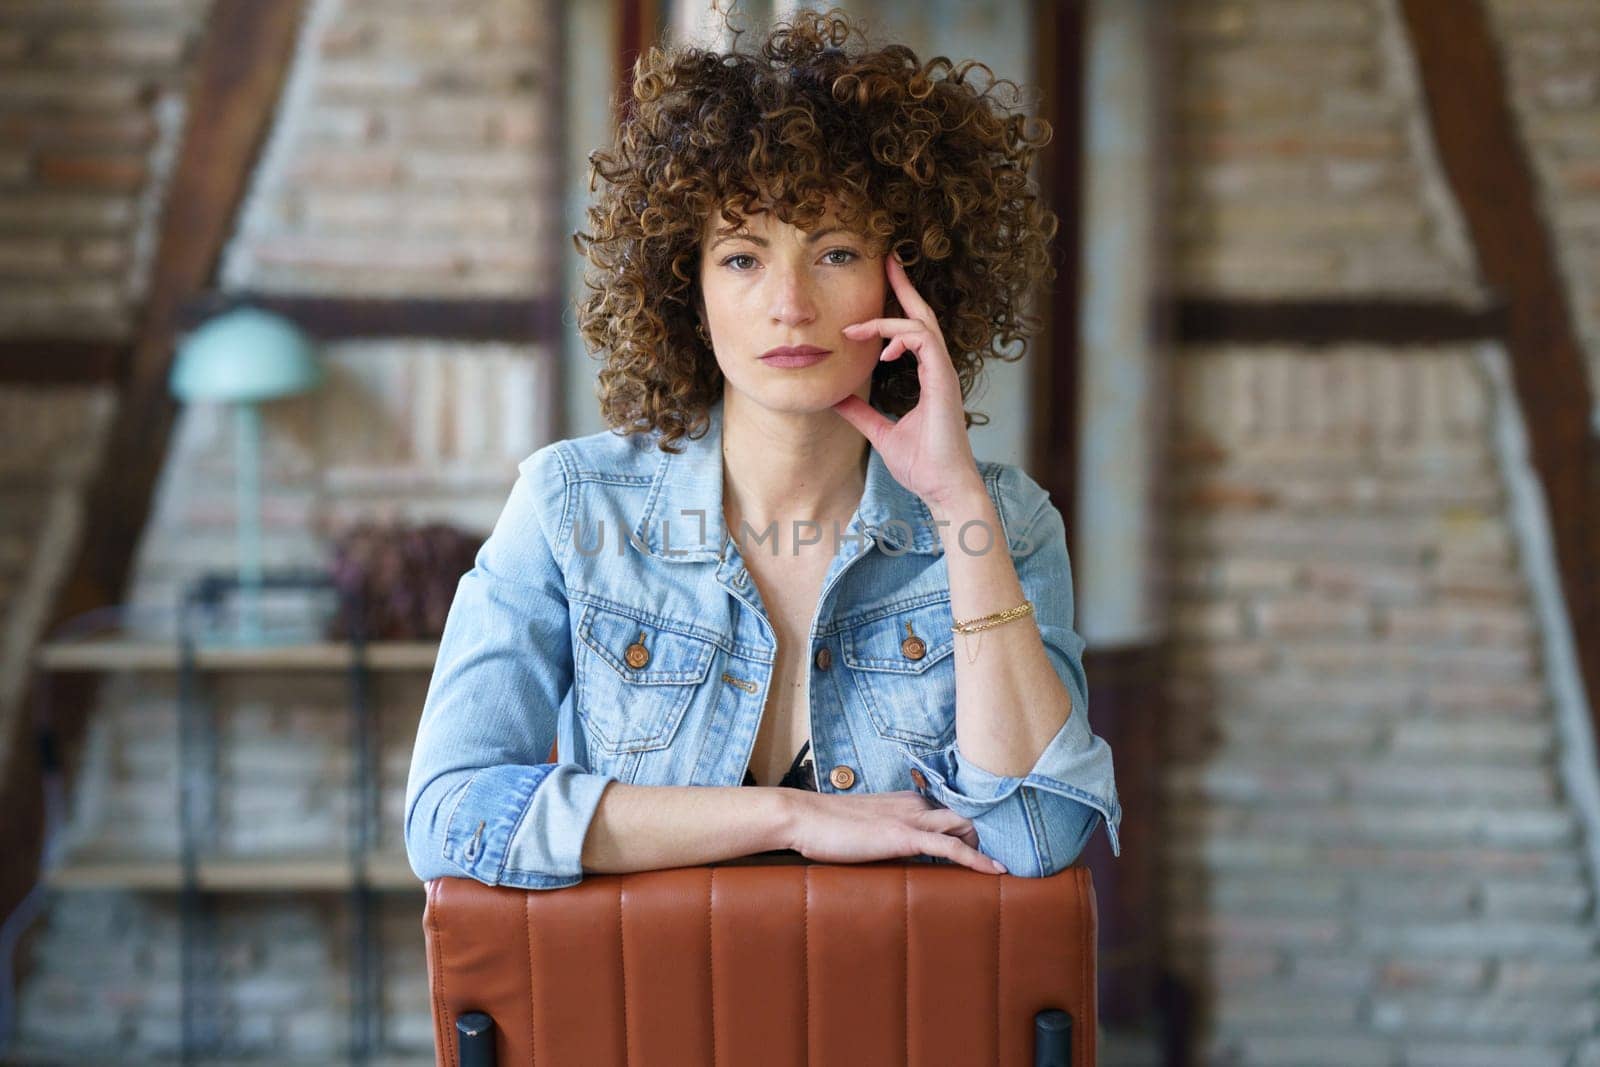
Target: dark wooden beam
{"points": [[60, 361], [638, 26], [332, 318], [1317, 323], [1061, 57], [1481, 152]]}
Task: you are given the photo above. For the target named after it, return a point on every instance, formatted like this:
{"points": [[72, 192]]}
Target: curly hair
{"points": [[913, 155]]}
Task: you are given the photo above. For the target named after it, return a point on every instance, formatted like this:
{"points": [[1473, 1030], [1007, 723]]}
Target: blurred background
{"points": [[286, 293]]}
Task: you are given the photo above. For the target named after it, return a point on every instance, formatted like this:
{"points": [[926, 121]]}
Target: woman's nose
{"points": [[792, 303]]}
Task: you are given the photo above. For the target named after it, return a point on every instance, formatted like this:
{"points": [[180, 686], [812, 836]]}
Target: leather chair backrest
{"points": [[767, 962]]}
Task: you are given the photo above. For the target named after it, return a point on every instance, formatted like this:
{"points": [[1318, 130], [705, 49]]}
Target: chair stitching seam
{"points": [[622, 953], [999, 928], [711, 942], [527, 936], [905, 934], [1086, 944], [806, 952]]}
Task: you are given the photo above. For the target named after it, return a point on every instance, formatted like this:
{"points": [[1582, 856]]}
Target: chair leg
{"points": [[1052, 1039], [475, 1040]]}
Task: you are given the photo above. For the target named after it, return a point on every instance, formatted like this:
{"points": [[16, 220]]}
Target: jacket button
{"points": [[842, 777], [913, 648], [637, 655], [824, 658], [918, 779]]}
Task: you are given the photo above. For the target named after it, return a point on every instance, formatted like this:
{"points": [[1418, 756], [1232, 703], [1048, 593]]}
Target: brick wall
{"points": [[1376, 853], [91, 105], [1372, 855], [1300, 165], [413, 154]]}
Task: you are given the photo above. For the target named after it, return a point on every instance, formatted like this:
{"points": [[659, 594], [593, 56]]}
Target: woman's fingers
{"points": [[943, 820], [946, 821], [904, 291], [883, 327], [954, 849]]}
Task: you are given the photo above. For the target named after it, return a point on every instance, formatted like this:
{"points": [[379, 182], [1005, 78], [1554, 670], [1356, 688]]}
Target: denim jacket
{"points": [[609, 611]]}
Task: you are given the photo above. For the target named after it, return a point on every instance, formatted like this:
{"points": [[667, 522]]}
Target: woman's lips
{"points": [[794, 357]]}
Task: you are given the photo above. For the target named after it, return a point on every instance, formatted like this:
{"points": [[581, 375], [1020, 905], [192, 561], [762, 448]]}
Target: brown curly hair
{"points": [[912, 154]]}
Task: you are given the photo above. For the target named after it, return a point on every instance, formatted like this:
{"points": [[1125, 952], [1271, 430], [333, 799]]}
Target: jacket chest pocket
{"points": [[902, 667], [633, 680]]}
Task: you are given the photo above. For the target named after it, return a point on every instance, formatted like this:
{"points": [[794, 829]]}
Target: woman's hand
{"points": [[831, 828], [927, 450]]}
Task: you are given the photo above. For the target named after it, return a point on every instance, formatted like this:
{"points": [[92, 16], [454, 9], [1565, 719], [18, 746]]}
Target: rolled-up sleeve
{"points": [[480, 803], [1039, 823]]}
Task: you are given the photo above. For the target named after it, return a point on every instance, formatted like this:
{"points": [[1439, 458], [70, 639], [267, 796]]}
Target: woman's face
{"points": [[771, 285]]}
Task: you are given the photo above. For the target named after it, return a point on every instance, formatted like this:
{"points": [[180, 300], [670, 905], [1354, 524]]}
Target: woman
{"points": [[764, 570]]}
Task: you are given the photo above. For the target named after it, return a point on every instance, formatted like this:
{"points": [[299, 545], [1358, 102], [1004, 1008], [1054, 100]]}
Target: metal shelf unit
{"points": [[197, 876]]}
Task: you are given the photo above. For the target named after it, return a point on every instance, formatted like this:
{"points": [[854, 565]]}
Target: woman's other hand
{"points": [[927, 450], [831, 828]]}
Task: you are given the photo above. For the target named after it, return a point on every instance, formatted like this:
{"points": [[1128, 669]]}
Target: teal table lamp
{"points": [[244, 357]]}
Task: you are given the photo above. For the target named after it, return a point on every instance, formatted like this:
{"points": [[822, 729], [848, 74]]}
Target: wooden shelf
{"points": [[125, 654], [232, 874]]}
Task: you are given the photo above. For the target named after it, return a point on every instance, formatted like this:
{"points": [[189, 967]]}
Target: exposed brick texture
{"points": [[1373, 858], [90, 112], [416, 156], [1299, 168]]}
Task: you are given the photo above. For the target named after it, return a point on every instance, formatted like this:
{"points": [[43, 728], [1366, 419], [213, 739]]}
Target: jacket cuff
{"points": [[973, 792], [524, 825]]}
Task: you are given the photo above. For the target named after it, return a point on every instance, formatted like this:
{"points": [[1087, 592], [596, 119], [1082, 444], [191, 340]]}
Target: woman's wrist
{"points": [[963, 501], [788, 814]]}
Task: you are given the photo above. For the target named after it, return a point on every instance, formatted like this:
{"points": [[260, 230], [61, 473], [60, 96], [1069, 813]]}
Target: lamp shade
{"points": [[245, 355]]}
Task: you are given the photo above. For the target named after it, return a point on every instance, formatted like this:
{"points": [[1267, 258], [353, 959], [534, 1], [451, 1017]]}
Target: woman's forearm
{"points": [[647, 827], [1009, 700]]}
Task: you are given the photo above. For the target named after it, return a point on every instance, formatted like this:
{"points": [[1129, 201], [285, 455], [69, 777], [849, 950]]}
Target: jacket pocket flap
{"points": [[643, 652], [904, 642]]}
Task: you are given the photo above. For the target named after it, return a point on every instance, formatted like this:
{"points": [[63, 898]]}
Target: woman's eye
{"points": [[847, 253], [742, 255]]}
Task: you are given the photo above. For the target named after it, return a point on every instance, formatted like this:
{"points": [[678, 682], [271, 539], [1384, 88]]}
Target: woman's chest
{"points": [[789, 589], [687, 684]]}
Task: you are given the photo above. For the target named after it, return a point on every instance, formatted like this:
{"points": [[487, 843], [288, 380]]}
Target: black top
{"points": [[799, 775]]}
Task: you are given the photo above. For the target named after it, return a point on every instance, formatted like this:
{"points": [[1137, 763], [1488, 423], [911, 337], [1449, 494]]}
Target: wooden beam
{"points": [[1481, 152], [60, 361], [332, 318], [1060, 59], [638, 26], [1315, 323]]}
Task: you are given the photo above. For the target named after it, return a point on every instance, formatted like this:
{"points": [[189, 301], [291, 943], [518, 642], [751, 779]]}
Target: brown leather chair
{"points": [[767, 960]]}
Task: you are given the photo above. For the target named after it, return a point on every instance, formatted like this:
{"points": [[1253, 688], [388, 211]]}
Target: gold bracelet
{"points": [[972, 626]]}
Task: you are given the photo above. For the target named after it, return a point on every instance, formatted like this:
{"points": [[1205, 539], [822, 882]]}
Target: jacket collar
{"points": [[688, 486]]}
